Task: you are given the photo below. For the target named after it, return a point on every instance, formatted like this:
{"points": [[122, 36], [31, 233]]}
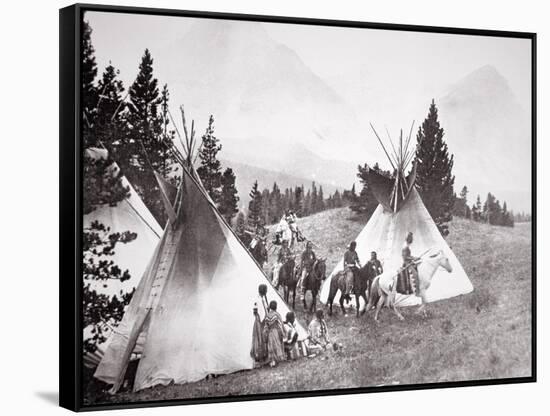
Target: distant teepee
{"points": [[193, 306], [399, 212]]}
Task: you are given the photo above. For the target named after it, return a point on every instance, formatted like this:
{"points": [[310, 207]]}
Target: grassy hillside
{"points": [[485, 334]]}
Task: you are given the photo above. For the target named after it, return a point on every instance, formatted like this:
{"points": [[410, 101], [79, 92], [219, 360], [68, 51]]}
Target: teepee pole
{"points": [[393, 147], [382, 144], [410, 135]]}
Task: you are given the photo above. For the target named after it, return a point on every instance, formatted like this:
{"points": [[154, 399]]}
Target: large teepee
{"points": [[193, 306], [400, 211]]}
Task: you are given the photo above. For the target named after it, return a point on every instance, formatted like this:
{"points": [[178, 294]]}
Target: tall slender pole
{"points": [[392, 146], [382, 144], [410, 135]]}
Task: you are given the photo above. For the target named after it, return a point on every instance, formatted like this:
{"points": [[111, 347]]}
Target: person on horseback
{"points": [[284, 255], [257, 245], [373, 266], [291, 219], [351, 262], [409, 271], [306, 265], [283, 232]]}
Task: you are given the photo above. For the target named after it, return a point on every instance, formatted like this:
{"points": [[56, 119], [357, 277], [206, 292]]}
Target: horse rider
{"points": [[282, 257], [308, 259], [284, 231], [292, 219], [351, 262], [409, 269], [257, 237], [373, 266]]}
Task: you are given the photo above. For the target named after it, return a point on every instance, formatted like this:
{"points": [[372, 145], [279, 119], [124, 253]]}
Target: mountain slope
{"points": [[247, 174], [256, 87], [489, 133]]}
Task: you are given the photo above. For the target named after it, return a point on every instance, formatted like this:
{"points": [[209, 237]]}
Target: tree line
{"points": [[490, 212], [267, 206]]}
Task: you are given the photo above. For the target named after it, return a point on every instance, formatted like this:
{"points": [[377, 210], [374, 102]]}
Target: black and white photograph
{"points": [[285, 208]]}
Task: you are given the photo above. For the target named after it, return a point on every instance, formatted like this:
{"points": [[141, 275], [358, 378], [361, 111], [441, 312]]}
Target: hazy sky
{"points": [[378, 61], [386, 77]]}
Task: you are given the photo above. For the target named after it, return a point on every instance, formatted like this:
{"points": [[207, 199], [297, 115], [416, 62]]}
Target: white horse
{"points": [[385, 285]]}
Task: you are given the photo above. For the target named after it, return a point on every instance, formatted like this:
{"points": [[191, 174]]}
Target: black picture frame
{"points": [[70, 179]]}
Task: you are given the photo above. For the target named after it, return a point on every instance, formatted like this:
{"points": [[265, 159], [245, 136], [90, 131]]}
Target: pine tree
{"points": [[168, 135], [366, 202], [255, 208], [320, 200], [337, 199], [299, 200], [507, 216], [276, 204], [210, 168], [228, 196], [308, 203], [144, 149], [240, 228], [434, 178], [88, 73], [144, 102], [110, 126], [477, 210]]}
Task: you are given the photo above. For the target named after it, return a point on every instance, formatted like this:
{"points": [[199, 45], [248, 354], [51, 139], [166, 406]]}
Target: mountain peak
{"points": [[486, 81]]}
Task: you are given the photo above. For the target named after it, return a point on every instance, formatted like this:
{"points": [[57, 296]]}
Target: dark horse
{"points": [[289, 280], [259, 252], [312, 282], [342, 281]]}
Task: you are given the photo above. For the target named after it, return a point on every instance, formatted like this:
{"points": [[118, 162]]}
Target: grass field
{"points": [[482, 335]]}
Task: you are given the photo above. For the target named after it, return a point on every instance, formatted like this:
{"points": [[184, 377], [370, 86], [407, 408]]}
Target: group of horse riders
{"points": [[287, 233], [406, 281]]}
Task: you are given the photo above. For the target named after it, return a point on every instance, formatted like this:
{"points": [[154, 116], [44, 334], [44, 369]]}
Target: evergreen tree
{"points": [[320, 200], [366, 202], [314, 199], [507, 216], [337, 199], [255, 208], [461, 207], [144, 148], [477, 210], [228, 196], [308, 204], [299, 200], [88, 73], [240, 228], [144, 102], [210, 168], [110, 125], [276, 204], [434, 178]]}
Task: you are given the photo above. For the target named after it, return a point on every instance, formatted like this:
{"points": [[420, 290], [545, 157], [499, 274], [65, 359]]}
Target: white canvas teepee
{"points": [[399, 212], [385, 233], [130, 214], [193, 306]]}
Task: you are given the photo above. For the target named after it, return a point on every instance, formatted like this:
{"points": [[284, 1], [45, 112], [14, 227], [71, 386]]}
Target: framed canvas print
{"points": [[258, 207]]}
